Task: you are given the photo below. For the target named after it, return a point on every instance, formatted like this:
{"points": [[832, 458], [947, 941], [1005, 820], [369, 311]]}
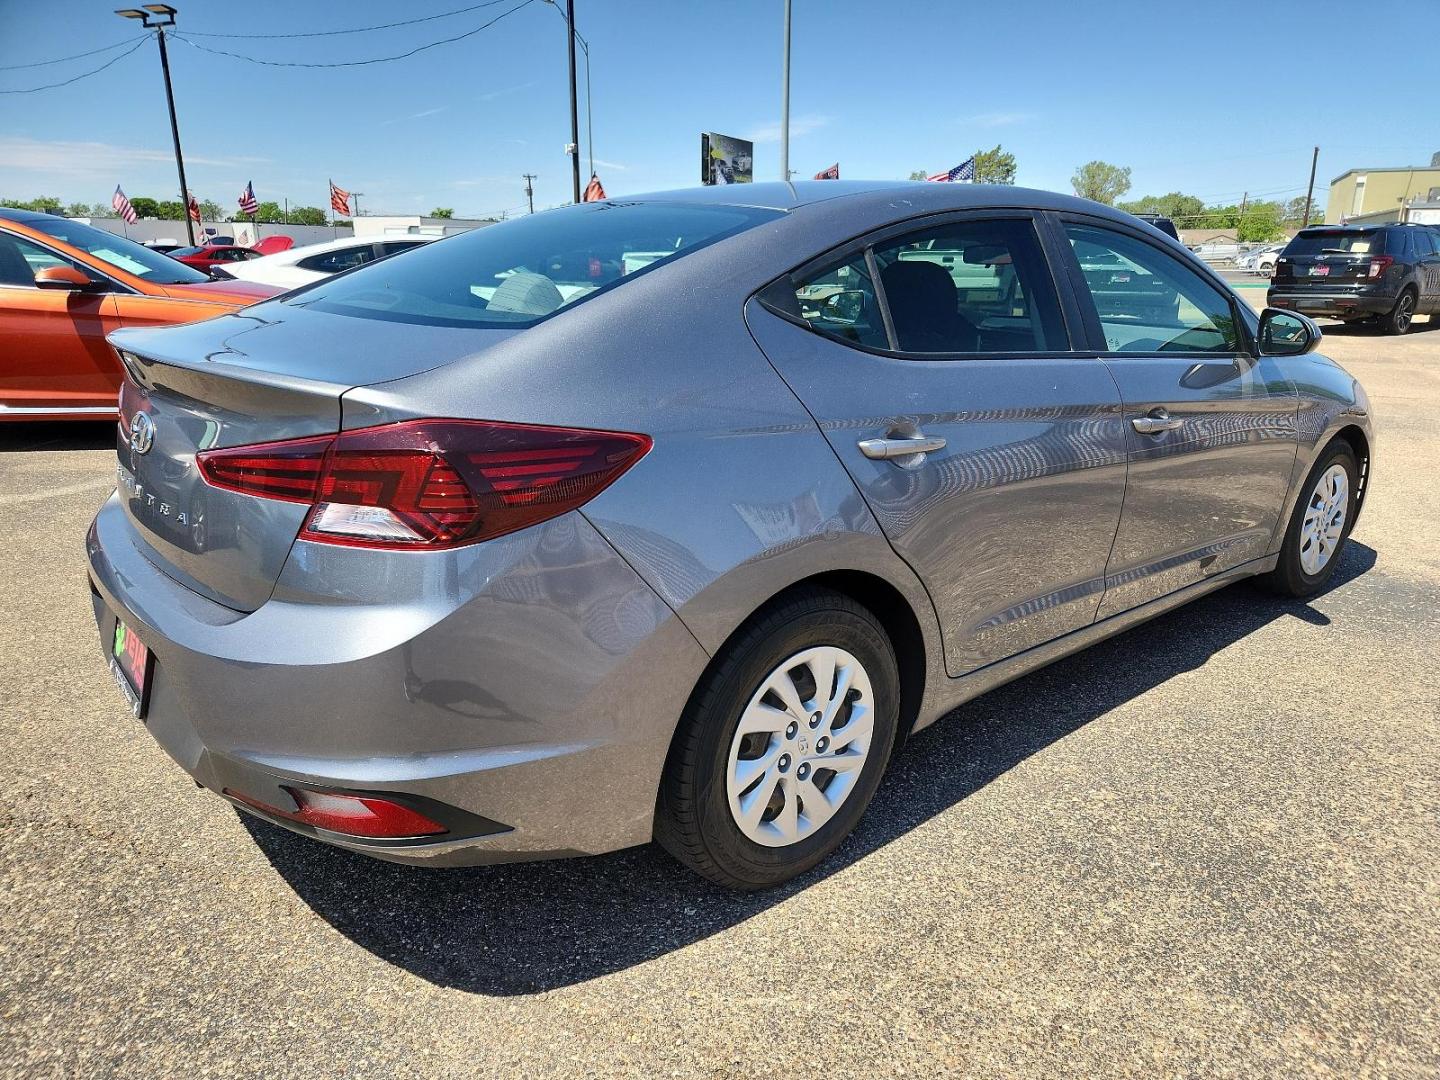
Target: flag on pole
{"points": [[248, 205], [194, 207], [339, 199], [593, 190], [123, 208], [832, 173], [964, 171]]}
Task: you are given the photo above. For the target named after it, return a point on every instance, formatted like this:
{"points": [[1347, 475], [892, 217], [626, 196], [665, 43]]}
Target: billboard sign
{"points": [[726, 160]]}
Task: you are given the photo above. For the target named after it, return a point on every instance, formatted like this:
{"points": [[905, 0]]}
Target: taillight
{"points": [[1379, 264], [428, 483], [355, 815]]}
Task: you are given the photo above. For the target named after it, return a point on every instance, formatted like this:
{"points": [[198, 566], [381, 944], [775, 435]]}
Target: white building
{"points": [[414, 225]]}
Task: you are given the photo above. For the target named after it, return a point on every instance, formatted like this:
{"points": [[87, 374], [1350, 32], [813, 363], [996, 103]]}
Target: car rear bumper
{"points": [[527, 687], [1338, 304]]}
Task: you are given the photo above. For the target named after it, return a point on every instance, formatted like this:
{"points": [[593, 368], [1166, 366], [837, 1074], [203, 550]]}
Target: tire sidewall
{"points": [[721, 835], [1337, 452]]}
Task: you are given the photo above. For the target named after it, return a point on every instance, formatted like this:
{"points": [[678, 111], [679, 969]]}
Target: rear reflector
{"points": [[428, 483], [354, 815]]}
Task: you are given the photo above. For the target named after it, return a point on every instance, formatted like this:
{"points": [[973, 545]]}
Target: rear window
{"points": [[518, 272], [1336, 242]]}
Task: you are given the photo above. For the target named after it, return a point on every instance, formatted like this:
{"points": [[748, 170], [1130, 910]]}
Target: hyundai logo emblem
{"points": [[142, 433]]}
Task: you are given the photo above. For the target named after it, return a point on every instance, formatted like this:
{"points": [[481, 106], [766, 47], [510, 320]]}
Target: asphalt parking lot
{"points": [[1210, 847]]}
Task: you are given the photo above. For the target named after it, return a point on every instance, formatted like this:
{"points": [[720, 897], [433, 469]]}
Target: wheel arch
{"points": [[1359, 442]]}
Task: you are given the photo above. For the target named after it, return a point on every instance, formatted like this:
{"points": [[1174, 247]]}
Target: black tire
{"points": [[693, 819], [1289, 577], [1401, 317]]}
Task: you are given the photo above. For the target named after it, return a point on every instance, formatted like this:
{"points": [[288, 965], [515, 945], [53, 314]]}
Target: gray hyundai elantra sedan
{"points": [[671, 517]]}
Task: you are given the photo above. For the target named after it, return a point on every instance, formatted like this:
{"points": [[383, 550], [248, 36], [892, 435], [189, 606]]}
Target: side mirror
{"points": [[63, 277], [1287, 333]]}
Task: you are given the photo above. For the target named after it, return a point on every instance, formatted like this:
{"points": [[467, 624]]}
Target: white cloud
{"points": [[996, 119], [415, 116], [493, 94], [97, 158], [799, 125], [614, 165]]}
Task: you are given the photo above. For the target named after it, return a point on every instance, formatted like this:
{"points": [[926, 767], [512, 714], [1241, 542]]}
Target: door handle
{"points": [[886, 449], [1157, 422]]}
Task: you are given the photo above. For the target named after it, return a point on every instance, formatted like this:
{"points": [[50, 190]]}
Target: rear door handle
{"points": [[885, 449], [1157, 422]]}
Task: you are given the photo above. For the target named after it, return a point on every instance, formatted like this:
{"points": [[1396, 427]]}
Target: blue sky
{"points": [[1180, 93]]}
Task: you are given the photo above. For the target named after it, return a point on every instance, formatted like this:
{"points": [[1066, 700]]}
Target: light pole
{"points": [[785, 102], [157, 13], [356, 196], [574, 107]]}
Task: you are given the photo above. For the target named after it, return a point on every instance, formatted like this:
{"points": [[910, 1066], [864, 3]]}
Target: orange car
{"points": [[63, 287]]}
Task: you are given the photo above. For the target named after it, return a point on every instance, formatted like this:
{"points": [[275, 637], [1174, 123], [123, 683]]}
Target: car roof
{"points": [[864, 193], [27, 217]]}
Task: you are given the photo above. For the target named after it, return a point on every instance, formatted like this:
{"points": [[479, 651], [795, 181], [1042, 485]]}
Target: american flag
{"points": [[339, 199], [832, 173], [594, 192], [964, 171], [248, 205], [123, 208], [194, 207]]}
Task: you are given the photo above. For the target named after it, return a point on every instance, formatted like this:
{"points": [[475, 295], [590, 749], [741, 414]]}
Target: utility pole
{"points": [[574, 148], [529, 191], [1240, 221], [356, 196], [1310, 191], [785, 102], [168, 13]]}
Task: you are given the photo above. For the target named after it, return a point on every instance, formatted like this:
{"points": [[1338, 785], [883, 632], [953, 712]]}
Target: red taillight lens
{"points": [[355, 815], [1379, 264], [429, 483]]}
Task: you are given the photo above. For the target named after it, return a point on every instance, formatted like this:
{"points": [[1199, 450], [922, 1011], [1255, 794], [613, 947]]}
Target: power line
{"points": [[83, 75], [353, 63], [355, 29], [77, 56]]}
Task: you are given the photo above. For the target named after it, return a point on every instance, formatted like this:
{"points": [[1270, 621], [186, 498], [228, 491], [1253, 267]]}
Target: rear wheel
{"points": [[1399, 318], [1320, 524], [783, 743]]}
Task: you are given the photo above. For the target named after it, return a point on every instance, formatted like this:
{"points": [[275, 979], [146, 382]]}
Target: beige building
{"points": [[1379, 194]]}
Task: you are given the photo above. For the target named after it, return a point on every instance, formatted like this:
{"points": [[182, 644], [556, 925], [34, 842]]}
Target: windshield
{"points": [[121, 253], [518, 272], [1336, 242]]}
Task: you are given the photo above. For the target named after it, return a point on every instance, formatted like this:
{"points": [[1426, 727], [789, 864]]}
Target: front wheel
{"points": [[1320, 524], [1399, 318], [783, 743]]}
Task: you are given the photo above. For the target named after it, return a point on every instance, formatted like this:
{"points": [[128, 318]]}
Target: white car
{"points": [[302, 265], [1262, 262]]}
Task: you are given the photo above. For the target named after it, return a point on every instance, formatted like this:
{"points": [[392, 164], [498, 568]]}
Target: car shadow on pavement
{"points": [[525, 928], [26, 435]]}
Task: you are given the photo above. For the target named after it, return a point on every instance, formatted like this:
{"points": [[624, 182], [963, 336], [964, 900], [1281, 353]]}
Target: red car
{"points": [[203, 258]]}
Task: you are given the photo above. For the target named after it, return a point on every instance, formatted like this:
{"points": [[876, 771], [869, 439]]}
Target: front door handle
{"points": [[886, 449], [1157, 422]]}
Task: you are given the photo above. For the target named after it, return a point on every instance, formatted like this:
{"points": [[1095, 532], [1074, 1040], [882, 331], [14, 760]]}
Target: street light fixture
{"points": [[156, 17]]}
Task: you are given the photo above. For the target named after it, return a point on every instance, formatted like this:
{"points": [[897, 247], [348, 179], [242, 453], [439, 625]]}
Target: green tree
{"points": [[103, 210], [77, 209], [169, 210], [145, 206], [1262, 221], [994, 166], [1101, 181], [443, 212], [306, 215], [45, 204], [211, 211], [918, 174], [1295, 211], [1184, 210]]}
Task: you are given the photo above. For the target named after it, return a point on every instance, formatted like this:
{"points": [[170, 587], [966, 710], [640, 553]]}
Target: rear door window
{"points": [[971, 287], [332, 262]]}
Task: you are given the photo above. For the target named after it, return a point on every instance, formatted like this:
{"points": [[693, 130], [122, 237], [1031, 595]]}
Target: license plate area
{"points": [[1320, 271], [132, 665]]}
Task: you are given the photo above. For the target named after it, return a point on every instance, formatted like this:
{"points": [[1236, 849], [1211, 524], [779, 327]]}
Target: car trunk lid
{"points": [[1324, 258], [256, 376]]}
